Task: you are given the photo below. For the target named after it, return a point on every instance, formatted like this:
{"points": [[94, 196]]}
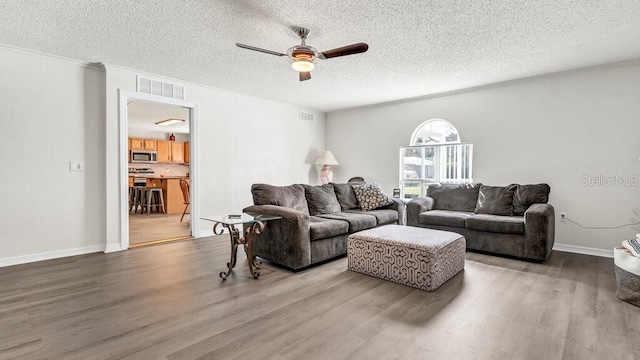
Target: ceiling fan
{"points": [[303, 56]]}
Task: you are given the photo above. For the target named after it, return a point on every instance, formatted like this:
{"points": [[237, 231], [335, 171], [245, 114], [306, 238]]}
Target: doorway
{"points": [[158, 167], [159, 188]]}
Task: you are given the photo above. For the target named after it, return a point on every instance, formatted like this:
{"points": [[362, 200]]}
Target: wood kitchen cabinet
{"points": [[170, 152], [177, 152], [186, 153], [150, 144], [164, 151], [142, 144]]}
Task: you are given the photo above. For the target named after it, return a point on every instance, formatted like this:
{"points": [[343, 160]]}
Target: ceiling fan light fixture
{"points": [[302, 64]]}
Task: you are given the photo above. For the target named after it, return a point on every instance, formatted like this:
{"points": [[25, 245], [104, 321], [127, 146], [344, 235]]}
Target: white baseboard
{"points": [[583, 250], [23, 259], [112, 248]]}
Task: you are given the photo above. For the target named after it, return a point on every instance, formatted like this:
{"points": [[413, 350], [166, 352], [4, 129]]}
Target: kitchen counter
{"points": [[154, 176], [171, 191]]}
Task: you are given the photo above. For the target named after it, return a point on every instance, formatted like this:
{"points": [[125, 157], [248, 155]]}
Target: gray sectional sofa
{"points": [[316, 220], [513, 220]]}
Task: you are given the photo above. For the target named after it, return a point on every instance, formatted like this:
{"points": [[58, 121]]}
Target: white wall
{"points": [[52, 112], [55, 110], [556, 129], [241, 140]]}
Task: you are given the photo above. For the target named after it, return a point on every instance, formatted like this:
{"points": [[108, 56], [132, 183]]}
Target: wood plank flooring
{"points": [[167, 302], [144, 228]]}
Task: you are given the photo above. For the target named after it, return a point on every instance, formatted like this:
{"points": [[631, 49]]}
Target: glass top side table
{"points": [[253, 224]]}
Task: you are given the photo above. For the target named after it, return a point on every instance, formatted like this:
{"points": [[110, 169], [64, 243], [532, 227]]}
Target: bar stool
{"points": [[137, 198], [154, 195]]}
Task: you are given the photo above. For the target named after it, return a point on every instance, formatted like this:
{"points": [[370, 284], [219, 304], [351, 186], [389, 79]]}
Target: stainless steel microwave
{"points": [[144, 156]]}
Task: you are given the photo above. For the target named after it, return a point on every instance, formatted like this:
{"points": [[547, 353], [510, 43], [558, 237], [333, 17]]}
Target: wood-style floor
{"points": [[144, 228], [167, 302]]}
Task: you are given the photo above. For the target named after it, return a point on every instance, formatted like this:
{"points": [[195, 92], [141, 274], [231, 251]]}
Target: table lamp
{"points": [[326, 159]]}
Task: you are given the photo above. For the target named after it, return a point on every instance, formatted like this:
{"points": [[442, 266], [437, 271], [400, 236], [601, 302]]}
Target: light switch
{"points": [[76, 166]]}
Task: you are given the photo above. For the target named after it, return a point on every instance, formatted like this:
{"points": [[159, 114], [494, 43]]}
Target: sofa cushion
{"points": [[346, 196], [457, 197], [321, 228], [495, 200], [527, 195], [321, 199], [291, 196], [496, 224], [356, 222], [371, 196], [444, 218], [383, 216]]}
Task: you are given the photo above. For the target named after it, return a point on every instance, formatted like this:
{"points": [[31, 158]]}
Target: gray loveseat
{"points": [[513, 220], [316, 220]]}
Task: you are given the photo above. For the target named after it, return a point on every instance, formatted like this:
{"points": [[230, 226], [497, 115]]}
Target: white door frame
{"points": [[124, 98]]}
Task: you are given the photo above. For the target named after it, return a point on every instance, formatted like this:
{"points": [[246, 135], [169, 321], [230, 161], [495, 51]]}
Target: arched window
{"points": [[435, 131], [435, 155]]}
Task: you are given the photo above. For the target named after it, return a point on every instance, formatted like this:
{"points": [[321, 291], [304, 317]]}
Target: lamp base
{"points": [[326, 175]]}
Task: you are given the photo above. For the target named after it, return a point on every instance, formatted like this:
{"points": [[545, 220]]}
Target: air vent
{"points": [[160, 88], [306, 116]]}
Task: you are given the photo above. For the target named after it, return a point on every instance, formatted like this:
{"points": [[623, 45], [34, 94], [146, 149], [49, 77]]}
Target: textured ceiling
{"points": [[416, 48]]}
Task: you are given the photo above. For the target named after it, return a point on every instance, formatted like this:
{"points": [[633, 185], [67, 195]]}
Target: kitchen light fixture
{"points": [[326, 159], [169, 121]]}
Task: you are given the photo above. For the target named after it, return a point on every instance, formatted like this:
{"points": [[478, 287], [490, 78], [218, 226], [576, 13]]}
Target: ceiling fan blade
{"points": [[345, 50], [249, 47], [305, 75]]}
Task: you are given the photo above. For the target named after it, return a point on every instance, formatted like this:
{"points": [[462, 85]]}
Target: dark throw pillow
{"points": [[527, 195], [371, 196], [457, 197], [495, 200], [291, 196], [345, 195], [321, 199]]}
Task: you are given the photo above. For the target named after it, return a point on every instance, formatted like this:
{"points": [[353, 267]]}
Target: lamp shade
{"points": [[326, 158]]}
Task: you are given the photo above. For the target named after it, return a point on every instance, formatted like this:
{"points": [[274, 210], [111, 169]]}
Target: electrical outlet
{"points": [[76, 166], [563, 217]]}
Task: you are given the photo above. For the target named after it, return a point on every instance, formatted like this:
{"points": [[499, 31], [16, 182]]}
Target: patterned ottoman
{"points": [[413, 256]]}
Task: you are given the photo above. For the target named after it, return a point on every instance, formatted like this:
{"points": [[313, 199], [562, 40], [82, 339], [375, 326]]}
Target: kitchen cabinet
{"points": [[164, 151], [150, 144], [170, 152], [177, 152], [186, 152], [142, 144]]}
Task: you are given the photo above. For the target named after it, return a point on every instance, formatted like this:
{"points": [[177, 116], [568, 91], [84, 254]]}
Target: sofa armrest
{"points": [[539, 231], [397, 205], [417, 206], [284, 241]]}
